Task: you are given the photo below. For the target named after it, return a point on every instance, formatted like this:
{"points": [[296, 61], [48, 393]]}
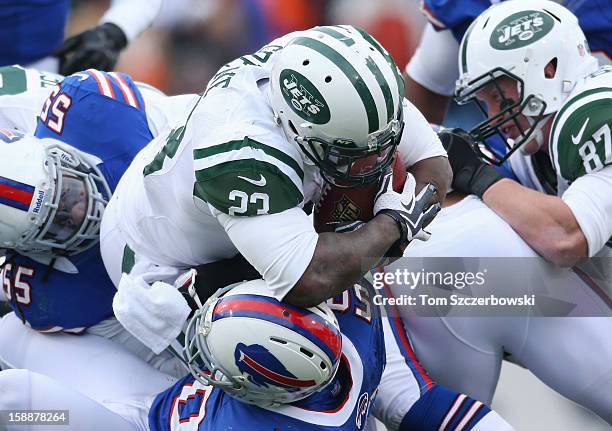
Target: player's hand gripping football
{"points": [[411, 212]]}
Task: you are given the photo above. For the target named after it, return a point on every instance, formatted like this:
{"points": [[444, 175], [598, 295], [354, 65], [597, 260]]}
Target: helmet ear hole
{"points": [[306, 62], [550, 70], [328, 79]]}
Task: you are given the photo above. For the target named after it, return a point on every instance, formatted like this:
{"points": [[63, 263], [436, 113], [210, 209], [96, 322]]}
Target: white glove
{"points": [[409, 211]]}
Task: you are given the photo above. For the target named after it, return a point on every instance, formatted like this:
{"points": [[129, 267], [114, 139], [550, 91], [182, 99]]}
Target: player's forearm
{"points": [[436, 171], [340, 259], [545, 222], [432, 105], [132, 16]]}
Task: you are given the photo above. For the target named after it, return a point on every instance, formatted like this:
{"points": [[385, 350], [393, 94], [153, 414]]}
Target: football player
{"points": [[35, 30], [258, 361], [477, 344], [321, 105], [25, 90], [565, 97], [53, 195], [430, 79], [541, 91]]}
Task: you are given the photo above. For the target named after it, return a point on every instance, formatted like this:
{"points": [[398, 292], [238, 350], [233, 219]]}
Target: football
{"points": [[338, 204]]}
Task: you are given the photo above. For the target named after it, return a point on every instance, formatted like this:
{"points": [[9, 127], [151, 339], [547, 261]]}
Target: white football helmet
{"points": [[51, 197], [338, 93], [518, 39], [260, 350]]}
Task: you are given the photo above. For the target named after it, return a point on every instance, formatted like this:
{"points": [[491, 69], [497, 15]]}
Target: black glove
{"points": [[410, 212], [97, 48], [471, 174]]}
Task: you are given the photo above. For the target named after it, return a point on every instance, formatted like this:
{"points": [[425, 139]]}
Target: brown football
{"points": [[338, 204]]}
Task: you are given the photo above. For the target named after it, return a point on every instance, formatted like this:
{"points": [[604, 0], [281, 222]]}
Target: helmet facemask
{"points": [[538, 45], [346, 165], [490, 132], [70, 218], [200, 356]]}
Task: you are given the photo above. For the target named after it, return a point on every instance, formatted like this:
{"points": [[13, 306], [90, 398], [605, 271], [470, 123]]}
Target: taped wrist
{"points": [[484, 177]]}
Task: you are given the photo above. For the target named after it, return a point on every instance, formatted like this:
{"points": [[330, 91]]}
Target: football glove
{"points": [[186, 285], [471, 174], [410, 212], [97, 48]]}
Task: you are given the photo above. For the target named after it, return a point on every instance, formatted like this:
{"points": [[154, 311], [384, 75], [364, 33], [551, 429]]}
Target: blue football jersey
{"points": [[102, 114], [342, 405], [594, 17], [31, 29]]}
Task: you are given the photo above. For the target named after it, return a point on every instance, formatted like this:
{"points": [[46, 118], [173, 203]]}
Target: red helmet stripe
{"points": [[325, 334]]}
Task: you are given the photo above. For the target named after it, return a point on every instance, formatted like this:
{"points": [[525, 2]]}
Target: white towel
{"points": [[154, 314]]}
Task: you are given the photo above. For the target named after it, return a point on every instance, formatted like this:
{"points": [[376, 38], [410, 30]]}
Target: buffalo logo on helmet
{"points": [[521, 29], [303, 97], [262, 368]]}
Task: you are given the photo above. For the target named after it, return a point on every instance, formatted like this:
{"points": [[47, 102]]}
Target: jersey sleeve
{"points": [[419, 141], [590, 199], [132, 16], [580, 137], [246, 178], [279, 246], [452, 15], [438, 72], [22, 93]]}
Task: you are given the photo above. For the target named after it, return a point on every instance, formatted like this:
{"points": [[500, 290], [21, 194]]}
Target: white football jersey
{"points": [[22, 94], [190, 196], [580, 147]]}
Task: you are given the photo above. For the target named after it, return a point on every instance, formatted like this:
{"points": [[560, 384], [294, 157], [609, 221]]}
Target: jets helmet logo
{"points": [[521, 29], [262, 368], [303, 97]]}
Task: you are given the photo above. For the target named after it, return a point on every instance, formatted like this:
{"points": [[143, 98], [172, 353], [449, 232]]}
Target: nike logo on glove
{"points": [[577, 139], [259, 183]]}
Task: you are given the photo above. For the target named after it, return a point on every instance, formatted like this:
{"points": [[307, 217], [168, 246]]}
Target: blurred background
{"points": [[191, 39]]}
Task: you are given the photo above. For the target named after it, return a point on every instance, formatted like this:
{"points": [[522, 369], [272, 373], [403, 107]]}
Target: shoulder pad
{"points": [[580, 137], [247, 178]]}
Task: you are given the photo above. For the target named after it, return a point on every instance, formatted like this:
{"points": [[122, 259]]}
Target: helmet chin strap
{"points": [[538, 133]]}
